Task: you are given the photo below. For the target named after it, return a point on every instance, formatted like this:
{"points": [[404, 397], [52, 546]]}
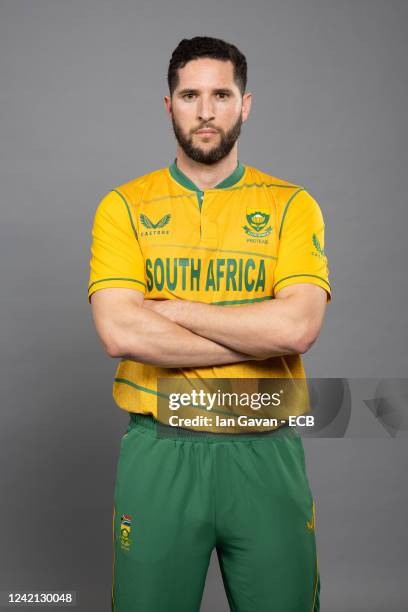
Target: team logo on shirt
{"points": [[154, 228], [258, 219], [125, 529]]}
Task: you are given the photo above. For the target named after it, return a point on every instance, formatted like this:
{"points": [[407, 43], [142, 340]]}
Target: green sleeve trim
{"points": [[128, 209], [286, 209], [117, 278], [297, 275]]}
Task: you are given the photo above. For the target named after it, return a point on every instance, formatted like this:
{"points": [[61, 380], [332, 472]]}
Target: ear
{"points": [[167, 104], [246, 105]]}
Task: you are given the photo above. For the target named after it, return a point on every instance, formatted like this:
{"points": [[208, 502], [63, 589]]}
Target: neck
{"points": [[207, 176]]}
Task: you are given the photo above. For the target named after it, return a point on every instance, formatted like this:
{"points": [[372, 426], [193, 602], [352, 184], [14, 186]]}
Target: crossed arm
{"points": [[183, 333]]}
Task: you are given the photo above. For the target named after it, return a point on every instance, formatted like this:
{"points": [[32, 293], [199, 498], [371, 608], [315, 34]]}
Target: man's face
{"points": [[207, 109]]}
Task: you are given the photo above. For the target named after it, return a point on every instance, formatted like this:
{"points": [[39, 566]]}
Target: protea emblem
{"points": [[317, 246], [319, 251], [258, 218]]}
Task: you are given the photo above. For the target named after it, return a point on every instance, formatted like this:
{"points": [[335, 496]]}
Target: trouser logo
{"points": [[125, 529]]}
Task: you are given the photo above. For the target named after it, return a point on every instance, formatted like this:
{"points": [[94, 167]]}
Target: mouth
{"points": [[205, 131]]}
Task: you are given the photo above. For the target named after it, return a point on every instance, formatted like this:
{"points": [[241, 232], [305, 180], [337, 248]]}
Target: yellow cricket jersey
{"points": [[238, 243]]}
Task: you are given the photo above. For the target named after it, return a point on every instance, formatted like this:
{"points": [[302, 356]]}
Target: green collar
{"points": [[181, 178]]}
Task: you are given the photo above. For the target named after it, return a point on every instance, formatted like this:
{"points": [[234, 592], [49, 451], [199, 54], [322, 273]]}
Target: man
{"points": [[209, 269]]}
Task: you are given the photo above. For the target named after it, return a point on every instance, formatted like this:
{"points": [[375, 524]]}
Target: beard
{"points": [[217, 152]]}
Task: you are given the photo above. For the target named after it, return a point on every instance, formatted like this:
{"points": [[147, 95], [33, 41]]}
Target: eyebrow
{"points": [[196, 91]]}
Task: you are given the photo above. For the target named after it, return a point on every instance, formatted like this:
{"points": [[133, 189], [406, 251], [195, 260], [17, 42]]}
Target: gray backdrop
{"points": [[82, 86]]}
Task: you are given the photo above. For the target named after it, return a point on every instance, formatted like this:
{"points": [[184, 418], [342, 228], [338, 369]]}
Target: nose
{"points": [[205, 110]]}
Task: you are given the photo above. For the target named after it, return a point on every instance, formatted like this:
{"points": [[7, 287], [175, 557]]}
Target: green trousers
{"points": [[179, 494]]}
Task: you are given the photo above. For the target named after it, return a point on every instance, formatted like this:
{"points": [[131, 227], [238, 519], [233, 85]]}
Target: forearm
{"points": [[150, 338], [262, 330]]}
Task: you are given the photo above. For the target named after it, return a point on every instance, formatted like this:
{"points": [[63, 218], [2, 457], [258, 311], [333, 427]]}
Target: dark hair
{"points": [[205, 46]]}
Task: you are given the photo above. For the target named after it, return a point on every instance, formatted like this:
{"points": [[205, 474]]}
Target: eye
{"points": [[223, 95], [188, 96]]}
